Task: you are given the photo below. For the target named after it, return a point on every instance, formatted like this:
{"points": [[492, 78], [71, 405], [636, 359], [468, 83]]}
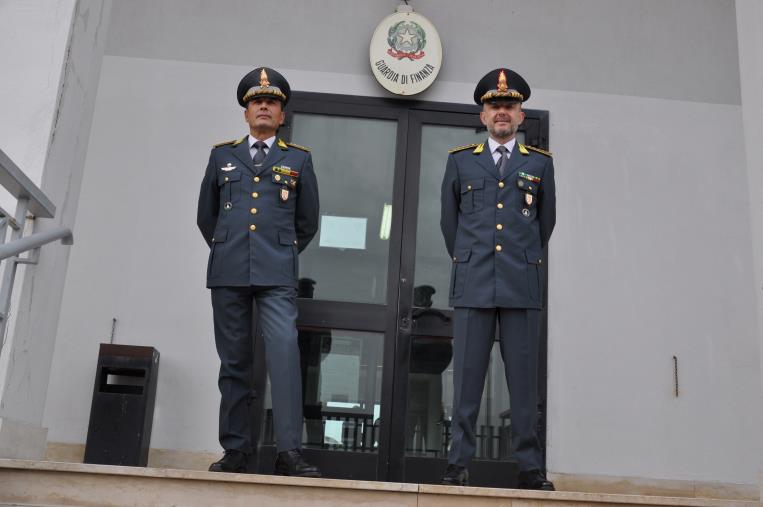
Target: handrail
{"points": [[35, 241], [31, 203], [21, 187]]}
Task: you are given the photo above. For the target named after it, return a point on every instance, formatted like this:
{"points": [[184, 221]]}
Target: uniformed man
{"points": [[258, 208], [498, 211]]}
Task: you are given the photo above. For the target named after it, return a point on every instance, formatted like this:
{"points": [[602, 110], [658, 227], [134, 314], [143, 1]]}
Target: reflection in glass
{"points": [[341, 389], [354, 161], [430, 403]]}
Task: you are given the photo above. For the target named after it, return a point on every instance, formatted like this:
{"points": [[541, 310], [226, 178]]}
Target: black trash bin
{"points": [[122, 412]]}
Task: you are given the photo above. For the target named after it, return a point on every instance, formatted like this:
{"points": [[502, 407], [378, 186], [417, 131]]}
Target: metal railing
{"points": [[31, 203]]}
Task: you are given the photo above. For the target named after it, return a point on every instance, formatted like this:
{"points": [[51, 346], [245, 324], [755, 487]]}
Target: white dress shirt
{"points": [[253, 150], [493, 145]]}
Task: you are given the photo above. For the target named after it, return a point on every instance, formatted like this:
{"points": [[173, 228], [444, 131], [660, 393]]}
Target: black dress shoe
{"points": [[455, 476], [233, 461], [293, 463], [534, 479]]}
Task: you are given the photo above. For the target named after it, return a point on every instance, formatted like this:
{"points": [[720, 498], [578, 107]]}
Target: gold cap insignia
{"points": [[502, 85], [264, 83]]}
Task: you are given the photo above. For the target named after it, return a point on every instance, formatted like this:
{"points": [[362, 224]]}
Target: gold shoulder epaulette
{"points": [[533, 148], [234, 142], [461, 148], [224, 143], [298, 147]]}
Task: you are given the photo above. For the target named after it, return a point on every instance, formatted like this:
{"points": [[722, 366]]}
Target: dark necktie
{"points": [[503, 162], [259, 156]]}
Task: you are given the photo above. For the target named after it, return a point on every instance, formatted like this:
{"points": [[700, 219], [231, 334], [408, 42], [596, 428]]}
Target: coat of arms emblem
{"points": [[406, 40]]}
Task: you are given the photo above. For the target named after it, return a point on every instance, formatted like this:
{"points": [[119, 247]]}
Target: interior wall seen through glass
{"points": [[354, 160]]}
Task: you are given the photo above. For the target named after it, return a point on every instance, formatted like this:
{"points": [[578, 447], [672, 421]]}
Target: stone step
{"points": [[72, 484], [31, 505]]}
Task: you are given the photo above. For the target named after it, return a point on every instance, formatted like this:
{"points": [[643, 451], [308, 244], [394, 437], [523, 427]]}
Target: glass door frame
{"points": [[393, 319], [427, 469]]}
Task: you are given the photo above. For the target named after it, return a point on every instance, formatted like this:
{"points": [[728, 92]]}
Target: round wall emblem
{"points": [[406, 53]]}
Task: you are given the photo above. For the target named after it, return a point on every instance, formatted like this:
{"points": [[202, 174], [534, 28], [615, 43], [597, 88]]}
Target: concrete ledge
{"points": [[21, 440], [112, 486], [658, 487], [195, 460], [157, 458]]}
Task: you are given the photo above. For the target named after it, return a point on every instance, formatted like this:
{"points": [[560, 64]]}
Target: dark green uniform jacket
{"points": [[257, 219], [496, 228]]}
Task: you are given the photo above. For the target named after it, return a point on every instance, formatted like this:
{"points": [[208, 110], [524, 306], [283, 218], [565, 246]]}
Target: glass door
{"points": [[426, 359], [374, 322], [348, 286]]}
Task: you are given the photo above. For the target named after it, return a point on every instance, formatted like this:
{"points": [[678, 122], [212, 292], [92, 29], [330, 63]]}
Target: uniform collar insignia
{"points": [[480, 147], [282, 144], [522, 149]]}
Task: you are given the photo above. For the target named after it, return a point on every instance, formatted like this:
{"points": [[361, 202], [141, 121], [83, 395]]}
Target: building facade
{"points": [[654, 270]]}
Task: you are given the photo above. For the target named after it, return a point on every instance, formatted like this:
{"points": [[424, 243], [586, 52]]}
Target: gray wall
{"points": [[29, 93], [682, 49], [652, 255], [53, 73], [750, 22]]}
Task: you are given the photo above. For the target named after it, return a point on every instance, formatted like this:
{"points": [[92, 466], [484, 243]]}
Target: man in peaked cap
{"points": [[258, 208], [498, 212]]}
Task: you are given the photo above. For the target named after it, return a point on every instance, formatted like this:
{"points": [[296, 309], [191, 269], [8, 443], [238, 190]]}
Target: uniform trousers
{"points": [[277, 315], [473, 336]]}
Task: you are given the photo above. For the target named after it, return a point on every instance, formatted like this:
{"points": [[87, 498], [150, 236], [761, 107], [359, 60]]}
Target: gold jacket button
{"points": [[499, 227], [295, 241], [498, 248], [252, 227], [256, 179], [255, 195], [499, 205], [468, 187], [253, 211], [455, 258], [500, 184], [226, 178]]}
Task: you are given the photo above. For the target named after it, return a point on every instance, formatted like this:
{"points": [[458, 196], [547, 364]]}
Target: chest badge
{"points": [[228, 167], [529, 177], [529, 199], [284, 194], [285, 170]]}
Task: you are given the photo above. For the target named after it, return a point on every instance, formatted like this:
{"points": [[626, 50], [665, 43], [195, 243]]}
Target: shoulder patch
{"points": [[461, 148], [234, 142], [542, 152], [224, 143], [298, 147]]}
